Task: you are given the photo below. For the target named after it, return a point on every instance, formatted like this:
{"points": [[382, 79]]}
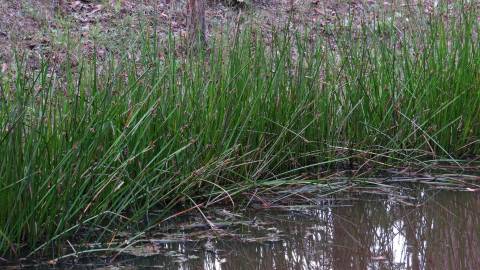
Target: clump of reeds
{"points": [[99, 146]]}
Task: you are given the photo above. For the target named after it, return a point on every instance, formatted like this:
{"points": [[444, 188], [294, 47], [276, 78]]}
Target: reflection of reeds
{"points": [[99, 146], [372, 234], [455, 234], [442, 234]]}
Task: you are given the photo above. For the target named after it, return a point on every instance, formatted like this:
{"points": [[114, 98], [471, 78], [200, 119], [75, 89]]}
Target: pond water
{"points": [[441, 230]]}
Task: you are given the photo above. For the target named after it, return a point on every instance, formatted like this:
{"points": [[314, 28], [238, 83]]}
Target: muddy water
{"points": [[439, 231]]}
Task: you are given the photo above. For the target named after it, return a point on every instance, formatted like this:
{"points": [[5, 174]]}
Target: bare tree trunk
{"points": [[196, 22]]}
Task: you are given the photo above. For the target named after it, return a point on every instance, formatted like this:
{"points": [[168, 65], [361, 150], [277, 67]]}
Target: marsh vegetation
{"points": [[92, 145]]}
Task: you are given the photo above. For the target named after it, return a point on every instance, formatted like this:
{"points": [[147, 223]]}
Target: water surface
{"points": [[439, 231]]}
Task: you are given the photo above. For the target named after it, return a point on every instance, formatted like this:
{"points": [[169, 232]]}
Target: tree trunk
{"points": [[196, 22]]}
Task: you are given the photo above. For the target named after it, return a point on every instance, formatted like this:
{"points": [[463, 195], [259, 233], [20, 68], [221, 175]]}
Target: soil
{"points": [[46, 27]]}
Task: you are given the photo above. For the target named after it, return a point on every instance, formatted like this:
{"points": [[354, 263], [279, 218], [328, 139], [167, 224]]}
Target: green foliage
{"points": [[100, 145]]}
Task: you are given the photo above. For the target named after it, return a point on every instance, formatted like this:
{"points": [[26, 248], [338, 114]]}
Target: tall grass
{"points": [[97, 146]]}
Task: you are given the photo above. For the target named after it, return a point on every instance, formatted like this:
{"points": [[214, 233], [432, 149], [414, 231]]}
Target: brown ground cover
{"points": [[38, 28]]}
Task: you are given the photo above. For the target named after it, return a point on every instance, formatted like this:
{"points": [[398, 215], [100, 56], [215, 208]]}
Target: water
{"points": [[441, 231]]}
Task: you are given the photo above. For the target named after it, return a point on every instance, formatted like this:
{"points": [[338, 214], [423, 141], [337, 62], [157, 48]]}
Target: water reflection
{"points": [[441, 233]]}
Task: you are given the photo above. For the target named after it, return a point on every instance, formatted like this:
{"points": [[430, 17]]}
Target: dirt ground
{"points": [[39, 28]]}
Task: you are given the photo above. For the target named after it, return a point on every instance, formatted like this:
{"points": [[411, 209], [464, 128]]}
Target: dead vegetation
{"points": [[40, 27]]}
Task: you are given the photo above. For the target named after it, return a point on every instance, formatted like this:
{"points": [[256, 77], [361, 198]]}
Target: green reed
{"points": [[88, 149]]}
